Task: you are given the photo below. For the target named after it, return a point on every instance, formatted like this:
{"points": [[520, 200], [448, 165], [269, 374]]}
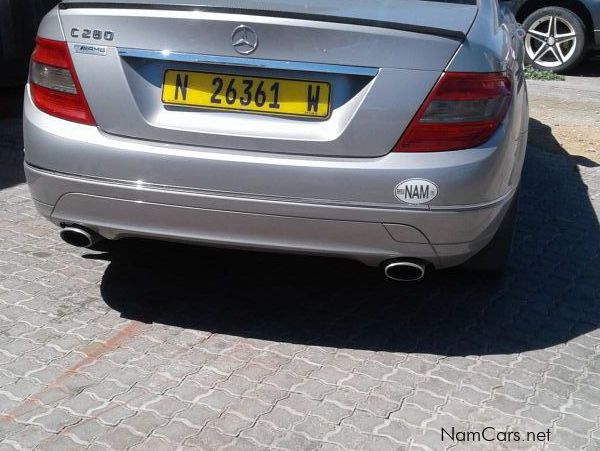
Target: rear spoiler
{"points": [[452, 34]]}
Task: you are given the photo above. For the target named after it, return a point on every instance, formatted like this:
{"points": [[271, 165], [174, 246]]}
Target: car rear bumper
{"points": [[346, 207], [116, 210]]}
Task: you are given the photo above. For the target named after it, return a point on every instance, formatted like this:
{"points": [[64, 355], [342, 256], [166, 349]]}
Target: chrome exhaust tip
{"points": [[79, 236], [405, 271]]}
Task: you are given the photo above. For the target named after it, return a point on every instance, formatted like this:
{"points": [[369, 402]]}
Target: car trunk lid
{"points": [[380, 60]]}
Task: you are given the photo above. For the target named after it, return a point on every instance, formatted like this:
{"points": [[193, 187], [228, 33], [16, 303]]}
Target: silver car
{"points": [[392, 132]]}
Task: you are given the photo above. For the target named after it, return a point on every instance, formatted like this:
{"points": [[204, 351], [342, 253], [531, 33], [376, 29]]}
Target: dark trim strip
{"points": [[454, 34], [249, 62]]}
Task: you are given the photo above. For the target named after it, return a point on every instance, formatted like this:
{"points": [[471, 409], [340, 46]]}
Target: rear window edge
{"points": [[442, 32]]}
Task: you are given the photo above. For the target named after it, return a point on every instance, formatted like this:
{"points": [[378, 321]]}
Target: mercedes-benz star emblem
{"points": [[245, 40]]}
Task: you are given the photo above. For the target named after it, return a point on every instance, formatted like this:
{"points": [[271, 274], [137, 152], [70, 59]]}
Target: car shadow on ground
{"points": [[589, 67], [549, 294]]}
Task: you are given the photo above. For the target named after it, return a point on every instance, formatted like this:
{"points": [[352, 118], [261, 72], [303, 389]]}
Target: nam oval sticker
{"points": [[416, 191]]}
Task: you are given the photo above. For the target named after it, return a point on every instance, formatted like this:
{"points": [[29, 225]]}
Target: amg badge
{"points": [[90, 49], [416, 191]]}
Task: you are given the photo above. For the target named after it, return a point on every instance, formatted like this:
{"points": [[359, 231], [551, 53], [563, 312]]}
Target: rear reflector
{"points": [[462, 111], [54, 86]]}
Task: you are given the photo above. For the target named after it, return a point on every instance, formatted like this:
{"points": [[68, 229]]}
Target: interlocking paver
{"points": [[165, 406], [249, 408], [267, 393], [282, 418], [153, 443], [209, 439], [347, 437], [28, 437], [188, 391], [409, 413], [82, 404], [143, 422], [86, 431], [297, 441], [235, 385], [226, 349], [242, 444], [398, 431], [175, 431], [379, 443], [114, 414], [197, 415], [120, 438], [230, 424]]}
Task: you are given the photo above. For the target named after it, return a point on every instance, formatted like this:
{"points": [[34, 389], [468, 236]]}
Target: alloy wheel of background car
{"points": [[555, 39]]}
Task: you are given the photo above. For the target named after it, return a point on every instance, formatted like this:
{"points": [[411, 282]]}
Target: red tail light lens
{"points": [[54, 86], [462, 111]]}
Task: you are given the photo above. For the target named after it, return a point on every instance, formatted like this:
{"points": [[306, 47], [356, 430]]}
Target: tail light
{"points": [[462, 111], [54, 86]]}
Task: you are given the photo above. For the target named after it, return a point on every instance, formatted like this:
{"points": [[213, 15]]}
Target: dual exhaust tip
{"points": [[405, 270], [79, 236], [397, 270]]}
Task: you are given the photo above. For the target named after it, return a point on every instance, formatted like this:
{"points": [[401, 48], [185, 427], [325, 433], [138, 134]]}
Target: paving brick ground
{"points": [[159, 346]]}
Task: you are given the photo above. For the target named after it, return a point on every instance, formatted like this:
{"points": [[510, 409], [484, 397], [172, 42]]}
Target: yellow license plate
{"points": [[255, 94]]}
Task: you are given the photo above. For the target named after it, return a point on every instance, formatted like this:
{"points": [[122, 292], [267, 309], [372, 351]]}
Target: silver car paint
{"points": [[366, 121], [231, 191]]}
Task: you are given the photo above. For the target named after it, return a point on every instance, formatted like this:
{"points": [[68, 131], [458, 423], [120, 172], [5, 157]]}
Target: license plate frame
{"points": [[199, 90]]}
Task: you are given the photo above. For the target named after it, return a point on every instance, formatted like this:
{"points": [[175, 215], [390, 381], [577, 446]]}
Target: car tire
{"points": [[554, 40], [495, 256]]}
